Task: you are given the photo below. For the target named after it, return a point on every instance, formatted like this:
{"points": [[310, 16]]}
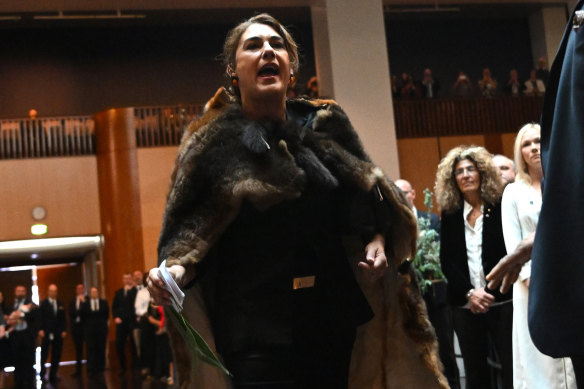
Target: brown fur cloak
{"points": [[216, 169]]}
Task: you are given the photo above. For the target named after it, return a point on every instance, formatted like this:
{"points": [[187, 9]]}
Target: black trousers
{"points": [[147, 345], [55, 347], [474, 332], [95, 341], [317, 361], [78, 339], [578, 363], [22, 343], [123, 332], [440, 315]]}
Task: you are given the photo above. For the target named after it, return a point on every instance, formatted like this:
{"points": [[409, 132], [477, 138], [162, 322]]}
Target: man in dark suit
{"points": [[95, 314], [439, 311], [556, 291], [23, 319], [53, 329], [76, 320], [124, 315], [410, 195]]}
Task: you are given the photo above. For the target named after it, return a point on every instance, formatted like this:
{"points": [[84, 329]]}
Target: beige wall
{"points": [[65, 187], [154, 168]]}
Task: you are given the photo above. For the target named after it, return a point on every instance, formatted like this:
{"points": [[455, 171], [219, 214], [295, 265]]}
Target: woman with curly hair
{"points": [[468, 191], [520, 212]]}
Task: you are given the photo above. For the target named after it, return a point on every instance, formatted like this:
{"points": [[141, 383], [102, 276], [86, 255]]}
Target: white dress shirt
{"points": [[142, 302], [474, 247]]}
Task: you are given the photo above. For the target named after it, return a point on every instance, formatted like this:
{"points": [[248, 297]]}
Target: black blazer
{"points": [[434, 220], [453, 256], [75, 313], [123, 306], [52, 323], [95, 321], [556, 292]]}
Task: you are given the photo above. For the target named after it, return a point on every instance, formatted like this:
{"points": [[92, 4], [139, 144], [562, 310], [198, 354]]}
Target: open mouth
{"points": [[268, 70]]}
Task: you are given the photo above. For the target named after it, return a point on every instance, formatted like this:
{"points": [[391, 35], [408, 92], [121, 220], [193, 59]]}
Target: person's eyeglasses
{"points": [[468, 169]]}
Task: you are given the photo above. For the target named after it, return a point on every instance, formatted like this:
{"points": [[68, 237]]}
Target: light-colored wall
{"points": [[66, 187], [154, 168], [360, 75]]}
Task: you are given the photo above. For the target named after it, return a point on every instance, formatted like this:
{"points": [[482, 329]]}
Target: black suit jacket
{"points": [[95, 321], [75, 313], [556, 292], [123, 306], [50, 322], [454, 259], [434, 220]]}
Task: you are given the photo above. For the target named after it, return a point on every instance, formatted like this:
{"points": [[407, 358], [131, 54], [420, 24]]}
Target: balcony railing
{"points": [[164, 126], [46, 137], [447, 117]]}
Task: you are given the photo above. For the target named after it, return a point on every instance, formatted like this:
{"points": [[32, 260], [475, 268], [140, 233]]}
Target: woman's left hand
{"points": [[375, 263]]}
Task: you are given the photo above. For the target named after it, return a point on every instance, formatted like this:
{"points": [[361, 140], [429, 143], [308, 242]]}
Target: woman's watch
{"points": [[469, 294]]}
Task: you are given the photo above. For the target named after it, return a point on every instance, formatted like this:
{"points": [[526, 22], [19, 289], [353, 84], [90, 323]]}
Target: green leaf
{"points": [[200, 349]]}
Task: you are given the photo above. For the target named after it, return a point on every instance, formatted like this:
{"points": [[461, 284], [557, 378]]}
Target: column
{"points": [[359, 68], [546, 27], [119, 196]]}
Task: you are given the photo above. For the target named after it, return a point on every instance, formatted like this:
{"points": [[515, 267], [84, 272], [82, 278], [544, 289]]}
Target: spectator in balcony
{"points": [[32, 113], [488, 85], [534, 86], [506, 168], [430, 85], [409, 88], [543, 72], [463, 86], [395, 86], [514, 87]]}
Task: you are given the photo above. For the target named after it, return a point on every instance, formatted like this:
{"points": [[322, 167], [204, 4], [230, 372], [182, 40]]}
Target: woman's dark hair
{"points": [[234, 36]]}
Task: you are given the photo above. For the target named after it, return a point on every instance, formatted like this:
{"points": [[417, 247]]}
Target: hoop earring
{"points": [[234, 81], [292, 79]]}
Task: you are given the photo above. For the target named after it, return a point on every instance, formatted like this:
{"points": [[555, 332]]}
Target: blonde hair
{"points": [[520, 165], [448, 195]]}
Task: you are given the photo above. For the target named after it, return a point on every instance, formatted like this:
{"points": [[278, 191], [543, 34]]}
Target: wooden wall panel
{"points": [[154, 168], [418, 158], [447, 143], [507, 140], [66, 187]]}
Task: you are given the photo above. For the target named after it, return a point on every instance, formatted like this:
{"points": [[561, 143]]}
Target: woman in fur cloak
{"points": [[277, 226]]}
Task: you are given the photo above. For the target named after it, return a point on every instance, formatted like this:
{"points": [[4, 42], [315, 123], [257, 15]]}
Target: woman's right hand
{"points": [[480, 301], [156, 286]]}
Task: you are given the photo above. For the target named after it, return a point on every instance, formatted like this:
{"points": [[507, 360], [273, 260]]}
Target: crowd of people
{"points": [[25, 325], [489, 204], [428, 87]]}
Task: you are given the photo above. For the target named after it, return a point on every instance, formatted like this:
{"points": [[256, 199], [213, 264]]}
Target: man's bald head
{"points": [[409, 192]]}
